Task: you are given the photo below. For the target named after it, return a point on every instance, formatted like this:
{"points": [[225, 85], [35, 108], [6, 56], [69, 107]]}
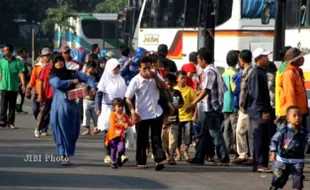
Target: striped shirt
{"points": [[214, 84]]}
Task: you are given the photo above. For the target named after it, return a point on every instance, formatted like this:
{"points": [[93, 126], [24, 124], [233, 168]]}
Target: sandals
{"points": [[264, 170], [141, 166], [96, 131]]}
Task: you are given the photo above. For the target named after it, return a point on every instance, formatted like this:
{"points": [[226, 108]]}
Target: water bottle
{"points": [[175, 101]]}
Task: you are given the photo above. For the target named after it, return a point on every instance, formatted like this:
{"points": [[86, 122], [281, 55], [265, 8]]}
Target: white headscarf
{"points": [[111, 84]]}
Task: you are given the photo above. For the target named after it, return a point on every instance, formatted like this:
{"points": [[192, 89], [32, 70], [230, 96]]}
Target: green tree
{"points": [[110, 6], [59, 16]]}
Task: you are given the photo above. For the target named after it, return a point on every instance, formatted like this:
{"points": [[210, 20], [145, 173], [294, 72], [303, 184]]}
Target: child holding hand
{"points": [[119, 122]]}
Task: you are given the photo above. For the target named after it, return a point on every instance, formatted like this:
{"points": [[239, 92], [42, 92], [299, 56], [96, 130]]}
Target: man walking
{"points": [[11, 70]]}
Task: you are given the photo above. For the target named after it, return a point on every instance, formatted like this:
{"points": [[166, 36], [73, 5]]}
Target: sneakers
{"points": [[12, 126], [36, 133], [44, 134], [124, 159], [114, 166], [107, 159]]}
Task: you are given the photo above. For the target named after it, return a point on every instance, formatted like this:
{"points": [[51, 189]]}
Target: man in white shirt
{"points": [[147, 113]]}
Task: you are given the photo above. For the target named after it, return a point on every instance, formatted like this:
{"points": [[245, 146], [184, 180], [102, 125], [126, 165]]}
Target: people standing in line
{"points": [[292, 85], [288, 151], [242, 131], [170, 132], [213, 94], [271, 75], [22, 56], [258, 108], [279, 73], [89, 106], [186, 118], [229, 111], [65, 116], [163, 52], [115, 138], [110, 86], [11, 74], [45, 94], [147, 112]]}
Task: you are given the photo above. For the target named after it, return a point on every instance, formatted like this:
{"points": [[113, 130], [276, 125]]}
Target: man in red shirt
{"points": [[190, 69], [45, 95]]}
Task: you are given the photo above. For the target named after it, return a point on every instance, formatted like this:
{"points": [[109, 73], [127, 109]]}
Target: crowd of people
{"points": [[252, 110]]}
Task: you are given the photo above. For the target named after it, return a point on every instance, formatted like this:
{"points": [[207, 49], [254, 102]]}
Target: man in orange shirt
{"points": [[292, 86]]}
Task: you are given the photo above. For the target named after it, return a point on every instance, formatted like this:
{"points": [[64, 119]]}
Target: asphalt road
{"points": [[90, 172]]}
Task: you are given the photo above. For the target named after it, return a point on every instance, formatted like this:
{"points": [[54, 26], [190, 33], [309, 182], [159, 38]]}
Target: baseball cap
{"points": [[260, 51], [293, 54], [110, 54], [65, 49], [45, 51]]}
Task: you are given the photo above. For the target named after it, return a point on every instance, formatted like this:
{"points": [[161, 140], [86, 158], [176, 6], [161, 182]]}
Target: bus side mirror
{"points": [[266, 13]]}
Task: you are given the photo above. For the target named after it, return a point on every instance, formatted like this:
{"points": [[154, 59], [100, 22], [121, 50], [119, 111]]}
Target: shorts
{"points": [[185, 133], [281, 172]]}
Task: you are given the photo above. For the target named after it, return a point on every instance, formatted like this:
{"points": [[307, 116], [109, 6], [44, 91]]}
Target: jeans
{"points": [[213, 126], [8, 101], [89, 112]]}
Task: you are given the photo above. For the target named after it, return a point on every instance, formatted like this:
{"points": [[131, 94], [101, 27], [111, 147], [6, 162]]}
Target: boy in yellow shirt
{"points": [[186, 119]]}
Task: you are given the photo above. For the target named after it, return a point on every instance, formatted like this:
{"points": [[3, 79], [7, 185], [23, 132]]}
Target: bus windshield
{"points": [[183, 13], [253, 8]]}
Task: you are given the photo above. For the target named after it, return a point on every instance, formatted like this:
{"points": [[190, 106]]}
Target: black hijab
{"points": [[63, 73]]}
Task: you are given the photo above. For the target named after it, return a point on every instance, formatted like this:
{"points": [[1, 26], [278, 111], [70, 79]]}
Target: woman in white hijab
{"points": [[110, 86]]}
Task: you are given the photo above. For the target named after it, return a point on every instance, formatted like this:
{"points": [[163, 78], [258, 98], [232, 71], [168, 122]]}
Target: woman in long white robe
{"points": [[110, 86]]}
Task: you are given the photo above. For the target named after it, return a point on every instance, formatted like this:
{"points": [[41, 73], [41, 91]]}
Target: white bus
{"points": [[101, 29], [297, 32], [176, 23]]}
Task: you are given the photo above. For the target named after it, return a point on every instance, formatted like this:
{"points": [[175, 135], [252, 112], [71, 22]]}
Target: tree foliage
{"points": [[59, 16], [111, 6]]}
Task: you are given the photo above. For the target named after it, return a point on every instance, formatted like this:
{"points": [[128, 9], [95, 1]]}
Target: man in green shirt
{"points": [[11, 70]]}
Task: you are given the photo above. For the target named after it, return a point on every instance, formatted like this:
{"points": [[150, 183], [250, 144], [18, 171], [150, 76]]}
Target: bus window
{"points": [[223, 11], [253, 9], [163, 14], [292, 12], [191, 13], [155, 14], [109, 30], [92, 28], [303, 13]]}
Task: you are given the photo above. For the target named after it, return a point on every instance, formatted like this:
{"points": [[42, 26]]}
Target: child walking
{"points": [[186, 118], [119, 122], [170, 131], [89, 106], [288, 151]]}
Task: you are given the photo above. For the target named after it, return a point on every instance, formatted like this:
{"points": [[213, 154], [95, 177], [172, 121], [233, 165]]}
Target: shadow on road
{"points": [[37, 180]]}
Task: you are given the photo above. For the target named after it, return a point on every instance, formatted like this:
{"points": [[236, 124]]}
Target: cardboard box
{"points": [[77, 93]]}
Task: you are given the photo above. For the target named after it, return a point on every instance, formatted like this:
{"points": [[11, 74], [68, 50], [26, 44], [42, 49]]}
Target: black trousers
{"points": [[259, 131], [8, 101], [44, 115], [142, 129]]}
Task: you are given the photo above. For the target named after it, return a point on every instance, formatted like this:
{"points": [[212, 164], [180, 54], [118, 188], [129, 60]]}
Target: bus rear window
{"points": [[99, 29]]}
